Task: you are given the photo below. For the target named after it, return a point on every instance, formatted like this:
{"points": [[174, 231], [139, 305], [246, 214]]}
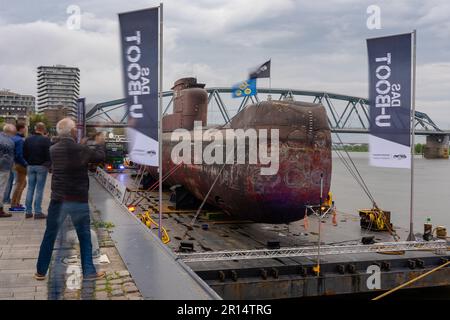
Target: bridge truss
{"points": [[346, 114]]}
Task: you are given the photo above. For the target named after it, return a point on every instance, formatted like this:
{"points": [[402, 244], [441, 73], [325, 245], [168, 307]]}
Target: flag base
{"points": [[411, 237]]}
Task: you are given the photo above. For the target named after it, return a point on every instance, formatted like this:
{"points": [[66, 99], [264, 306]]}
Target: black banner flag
{"points": [[263, 71], [390, 88], [140, 48], [81, 118]]}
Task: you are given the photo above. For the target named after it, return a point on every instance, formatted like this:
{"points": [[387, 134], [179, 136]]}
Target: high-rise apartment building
{"points": [[58, 87]]}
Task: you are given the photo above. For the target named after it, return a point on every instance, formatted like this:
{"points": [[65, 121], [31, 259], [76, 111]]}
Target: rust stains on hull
{"points": [[241, 191]]}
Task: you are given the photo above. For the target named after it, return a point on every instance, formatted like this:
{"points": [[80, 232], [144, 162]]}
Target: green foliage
{"points": [[418, 148], [90, 132], [355, 148], [103, 224], [35, 118]]}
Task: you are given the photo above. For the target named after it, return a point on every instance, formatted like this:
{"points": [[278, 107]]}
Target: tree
{"points": [[90, 132], [35, 118], [418, 148]]}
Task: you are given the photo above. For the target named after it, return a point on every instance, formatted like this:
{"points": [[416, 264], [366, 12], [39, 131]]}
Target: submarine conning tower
{"points": [[190, 103]]}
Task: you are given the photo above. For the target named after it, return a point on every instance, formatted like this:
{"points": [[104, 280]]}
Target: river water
{"points": [[391, 190]]}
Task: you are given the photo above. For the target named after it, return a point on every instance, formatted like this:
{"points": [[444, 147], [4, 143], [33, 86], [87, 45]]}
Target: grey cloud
{"points": [[314, 45]]}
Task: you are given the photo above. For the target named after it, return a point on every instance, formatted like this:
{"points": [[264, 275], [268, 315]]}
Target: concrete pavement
{"points": [[20, 240]]}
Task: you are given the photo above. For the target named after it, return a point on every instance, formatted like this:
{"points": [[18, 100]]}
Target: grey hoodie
{"points": [[6, 152]]}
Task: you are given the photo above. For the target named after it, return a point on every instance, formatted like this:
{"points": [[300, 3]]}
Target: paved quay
{"points": [[20, 240]]}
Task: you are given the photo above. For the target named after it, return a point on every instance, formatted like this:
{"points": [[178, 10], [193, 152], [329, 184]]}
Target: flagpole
{"points": [[160, 116], [270, 82], [411, 236], [270, 88]]}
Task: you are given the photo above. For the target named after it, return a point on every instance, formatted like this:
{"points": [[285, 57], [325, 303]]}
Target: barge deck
{"points": [[287, 277]]}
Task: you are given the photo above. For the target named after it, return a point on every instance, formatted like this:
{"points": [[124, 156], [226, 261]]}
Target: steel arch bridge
{"points": [[346, 114]]}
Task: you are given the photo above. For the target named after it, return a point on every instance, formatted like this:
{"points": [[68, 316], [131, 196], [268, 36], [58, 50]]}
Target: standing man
{"points": [[36, 151], [20, 168], [6, 161], [70, 187]]}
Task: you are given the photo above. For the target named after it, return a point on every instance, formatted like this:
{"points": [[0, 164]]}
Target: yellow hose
{"points": [[148, 221]]}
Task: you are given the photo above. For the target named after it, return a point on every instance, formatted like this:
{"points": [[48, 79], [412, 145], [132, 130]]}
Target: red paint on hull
{"points": [[304, 154]]}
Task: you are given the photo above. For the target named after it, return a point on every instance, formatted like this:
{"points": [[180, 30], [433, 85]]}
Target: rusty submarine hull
{"points": [[304, 155]]}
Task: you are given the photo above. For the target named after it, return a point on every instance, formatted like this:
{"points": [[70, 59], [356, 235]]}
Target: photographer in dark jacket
{"points": [[36, 151], [70, 187]]}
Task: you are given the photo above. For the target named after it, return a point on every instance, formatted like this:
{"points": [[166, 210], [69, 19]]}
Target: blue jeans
{"points": [[79, 214], [7, 194], [37, 176]]}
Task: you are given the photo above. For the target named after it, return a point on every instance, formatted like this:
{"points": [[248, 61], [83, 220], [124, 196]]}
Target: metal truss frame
{"points": [[352, 108], [311, 251]]}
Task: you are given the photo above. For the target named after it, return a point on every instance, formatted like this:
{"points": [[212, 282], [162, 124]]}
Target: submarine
{"points": [[301, 174]]}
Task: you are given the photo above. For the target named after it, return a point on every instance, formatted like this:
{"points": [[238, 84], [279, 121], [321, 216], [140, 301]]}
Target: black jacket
{"points": [[70, 181], [36, 150]]}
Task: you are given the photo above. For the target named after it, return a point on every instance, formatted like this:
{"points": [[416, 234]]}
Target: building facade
{"points": [[14, 106], [58, 87]]}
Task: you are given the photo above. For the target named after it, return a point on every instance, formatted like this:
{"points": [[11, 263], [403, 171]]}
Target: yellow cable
{"points": [[148, 221]]}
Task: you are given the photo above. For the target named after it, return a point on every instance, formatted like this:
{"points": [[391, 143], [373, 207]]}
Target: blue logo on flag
{"points": [[245, 88]]}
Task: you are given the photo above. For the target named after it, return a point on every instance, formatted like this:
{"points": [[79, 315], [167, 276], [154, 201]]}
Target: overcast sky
{"points": [[314, 45]]}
